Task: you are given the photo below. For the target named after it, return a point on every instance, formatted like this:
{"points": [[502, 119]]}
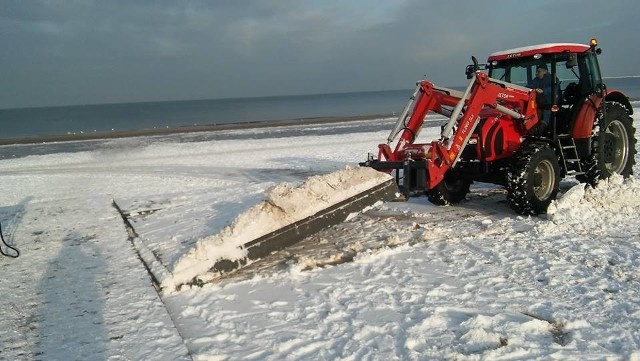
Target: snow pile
{"points": [[284, 205], [612, 200]]}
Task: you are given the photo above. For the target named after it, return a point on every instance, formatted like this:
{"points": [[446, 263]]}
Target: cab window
{"points": [[521, 72], [521, 75]]}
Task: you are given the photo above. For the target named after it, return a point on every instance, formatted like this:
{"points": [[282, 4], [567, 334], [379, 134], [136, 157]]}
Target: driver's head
{"points": [[541, 70]]}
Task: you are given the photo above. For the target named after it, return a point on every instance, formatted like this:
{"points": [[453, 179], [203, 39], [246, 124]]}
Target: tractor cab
{"points": [[577, 92], [574, 74]]}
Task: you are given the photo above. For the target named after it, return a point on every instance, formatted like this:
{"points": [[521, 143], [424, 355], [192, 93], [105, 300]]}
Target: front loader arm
{"points": [[430, 99], [441, 155], [518, 103], [426, 97]]}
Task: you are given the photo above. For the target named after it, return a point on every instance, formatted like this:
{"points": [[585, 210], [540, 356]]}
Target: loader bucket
{"points": [[297, 231], [286, 217]]}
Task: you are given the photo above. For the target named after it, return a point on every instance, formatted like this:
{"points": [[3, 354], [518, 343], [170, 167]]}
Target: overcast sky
{"points": [[86, 52]]}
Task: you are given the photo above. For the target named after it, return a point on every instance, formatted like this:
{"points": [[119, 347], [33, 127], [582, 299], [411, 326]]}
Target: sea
{"points": [[82, 119]]}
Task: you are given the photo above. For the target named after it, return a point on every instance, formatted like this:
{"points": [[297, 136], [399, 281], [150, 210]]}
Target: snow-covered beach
{"points": [[474, 281]]}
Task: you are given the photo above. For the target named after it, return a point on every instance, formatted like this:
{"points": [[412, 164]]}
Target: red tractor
{"points": [[499, 131]]}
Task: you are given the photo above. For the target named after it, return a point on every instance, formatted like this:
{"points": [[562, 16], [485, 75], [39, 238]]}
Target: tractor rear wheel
{"points": [[534, 179], [452, 190], [613, 146]]}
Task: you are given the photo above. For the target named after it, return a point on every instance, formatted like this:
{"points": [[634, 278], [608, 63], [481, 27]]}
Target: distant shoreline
{"points": [[196, 129], [186, 129]]}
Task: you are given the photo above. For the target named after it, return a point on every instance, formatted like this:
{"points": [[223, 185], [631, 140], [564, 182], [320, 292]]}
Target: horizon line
{"points": [[231, 98]]}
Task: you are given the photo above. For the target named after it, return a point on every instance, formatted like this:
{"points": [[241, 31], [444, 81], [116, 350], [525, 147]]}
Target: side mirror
{"points": [[470, 69], [573, 61]]}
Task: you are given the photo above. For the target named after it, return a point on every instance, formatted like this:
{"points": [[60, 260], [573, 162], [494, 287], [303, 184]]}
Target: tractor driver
{"points": [[542, 85]]}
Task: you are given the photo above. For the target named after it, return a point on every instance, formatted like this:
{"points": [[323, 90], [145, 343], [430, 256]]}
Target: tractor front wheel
{"points": [[452, 190], [534, 179]]}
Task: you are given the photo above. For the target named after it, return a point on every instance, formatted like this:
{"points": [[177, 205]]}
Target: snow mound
{"points": [[613, 199], [284, 204]]}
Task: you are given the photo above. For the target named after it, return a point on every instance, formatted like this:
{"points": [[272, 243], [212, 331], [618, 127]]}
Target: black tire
{"points": [[452, 190], [534, 179], [613, 146]]}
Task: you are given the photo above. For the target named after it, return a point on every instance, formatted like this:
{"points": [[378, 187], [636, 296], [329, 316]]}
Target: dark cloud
{"points": [[76, 52]]}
